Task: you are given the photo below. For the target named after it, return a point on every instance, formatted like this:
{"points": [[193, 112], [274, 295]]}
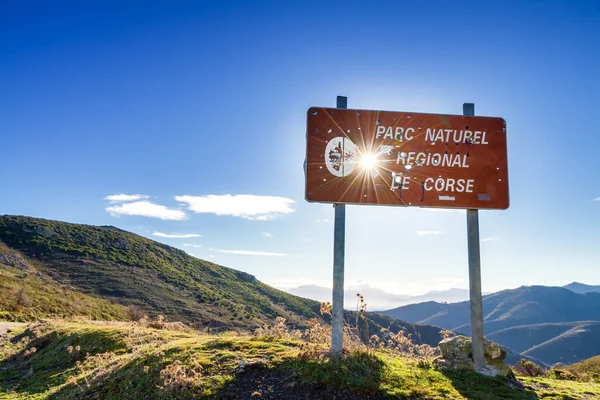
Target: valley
{"points": [[551, 324]]}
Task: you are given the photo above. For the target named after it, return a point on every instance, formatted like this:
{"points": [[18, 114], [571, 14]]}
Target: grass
{"points": [[136, 271], [589, 366], [124, 269], [27, 296], [75, 360], [586, 370]]}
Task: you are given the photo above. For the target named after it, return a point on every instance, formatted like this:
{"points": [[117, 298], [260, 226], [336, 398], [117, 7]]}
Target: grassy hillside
{"points": [[135, 271], [77, 360], [124, 268], [27, 295], [590, 366]]}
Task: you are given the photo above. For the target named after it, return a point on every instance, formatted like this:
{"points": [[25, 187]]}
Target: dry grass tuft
{"points": [[178, 376], [317, 337]]}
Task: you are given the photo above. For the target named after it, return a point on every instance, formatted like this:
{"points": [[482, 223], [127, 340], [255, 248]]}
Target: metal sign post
{"points": [[339, 244], [476, 301]]}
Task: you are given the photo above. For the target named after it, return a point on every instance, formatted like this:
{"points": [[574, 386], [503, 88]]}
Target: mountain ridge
{"points": [[378, 299], [579, 287], [158, 279], [136, 271], [554, 320]]}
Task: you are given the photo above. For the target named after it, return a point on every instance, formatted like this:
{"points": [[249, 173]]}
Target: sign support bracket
{"points": [[476, 301], [339, 244]]}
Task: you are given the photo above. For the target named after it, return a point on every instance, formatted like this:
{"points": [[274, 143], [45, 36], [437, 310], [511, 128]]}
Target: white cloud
{"points": [[117, 198], [489, 239], [250, 253], [422, 233], [193, 245], [597, 199], [147, 209], [267, 234], [244, 206], [176, 235], [326, 221]]}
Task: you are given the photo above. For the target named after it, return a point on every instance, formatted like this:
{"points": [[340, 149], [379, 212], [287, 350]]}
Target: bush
{"points": [[563, 374], [136, 313], [529, 368]]}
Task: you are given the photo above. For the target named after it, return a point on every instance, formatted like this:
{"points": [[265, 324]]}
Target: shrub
{"points": [[529, 368], [563, 374]]}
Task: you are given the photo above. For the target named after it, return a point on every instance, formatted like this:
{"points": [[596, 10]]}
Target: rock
{"points": [[456, 348], [244, 366], [489, 370], [241, 366], [456, 353], [493, 351], [459, 348]]}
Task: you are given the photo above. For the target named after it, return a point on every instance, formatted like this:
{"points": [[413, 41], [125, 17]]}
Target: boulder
{"points": [[456, 353], [456, 348], [459, 348], [244, 366], [493, 351]]}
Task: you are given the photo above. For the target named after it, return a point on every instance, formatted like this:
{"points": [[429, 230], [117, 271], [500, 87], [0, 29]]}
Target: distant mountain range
{"points": [[582, 288], [378, 299], [553, 324]]}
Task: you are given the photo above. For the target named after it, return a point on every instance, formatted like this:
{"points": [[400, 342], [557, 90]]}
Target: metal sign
{"points": [[406, 159]]}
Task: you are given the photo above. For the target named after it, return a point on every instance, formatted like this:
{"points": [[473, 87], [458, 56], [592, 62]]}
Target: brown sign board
{"points": [[406, 159]]}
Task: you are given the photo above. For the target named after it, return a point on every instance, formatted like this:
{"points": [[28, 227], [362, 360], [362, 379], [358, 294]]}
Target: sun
{"points": [[368, 161]]}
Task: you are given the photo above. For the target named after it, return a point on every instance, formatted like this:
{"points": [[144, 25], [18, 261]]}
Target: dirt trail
{"points": [[5, 326]]}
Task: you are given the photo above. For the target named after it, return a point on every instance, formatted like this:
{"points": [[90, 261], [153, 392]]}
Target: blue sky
{"points": [[199, 100]]}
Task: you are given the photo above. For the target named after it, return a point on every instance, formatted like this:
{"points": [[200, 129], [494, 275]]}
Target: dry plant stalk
{"points": [[177, 376], [317, 337]]}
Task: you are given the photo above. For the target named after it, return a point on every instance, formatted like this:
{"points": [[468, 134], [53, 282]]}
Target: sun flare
{"points": [[368, 161]]}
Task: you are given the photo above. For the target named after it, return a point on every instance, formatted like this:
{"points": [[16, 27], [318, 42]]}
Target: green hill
{"points": [[26, 294], [124, 269], [591, 366], [159, 279], [65, 360]]}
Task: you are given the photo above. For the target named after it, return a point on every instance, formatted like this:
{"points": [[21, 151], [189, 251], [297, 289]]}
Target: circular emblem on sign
{"points": [[340, 155]]}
